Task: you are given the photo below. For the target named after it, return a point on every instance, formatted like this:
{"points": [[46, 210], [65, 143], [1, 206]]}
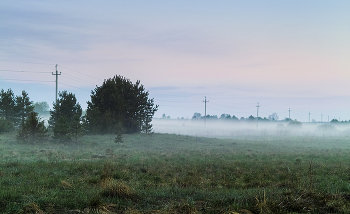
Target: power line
{"points": [[80, 72], [26, 71], [74, 87], [177, 106], [81, 81], [27, 80], [39, 63], [176, 101]]}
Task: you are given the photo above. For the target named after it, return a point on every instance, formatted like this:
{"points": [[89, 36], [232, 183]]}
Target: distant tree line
{"points": [[116, 107], [228, 117]]}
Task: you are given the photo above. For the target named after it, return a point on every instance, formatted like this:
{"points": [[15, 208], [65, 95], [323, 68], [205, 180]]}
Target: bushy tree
{"points": [[7, 104], [251, 118], [225, 116], [273, 116], [66, 117], [32, 128], [294, 124], [23, 106], [197, 115], [41, 107], [119, 100], [15, 109]]}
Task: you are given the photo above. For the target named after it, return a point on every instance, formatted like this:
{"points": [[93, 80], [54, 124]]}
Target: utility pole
{"points": [[56, 80], [289, 114], [328, 119], [257, 115], [205, 110], [309, 116], [321, 117]]}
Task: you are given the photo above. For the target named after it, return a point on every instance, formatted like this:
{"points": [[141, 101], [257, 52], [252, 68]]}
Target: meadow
{"points": [[170, 173]]}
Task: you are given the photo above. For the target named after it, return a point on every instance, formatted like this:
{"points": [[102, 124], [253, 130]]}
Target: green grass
{"points": [[165, 173]]}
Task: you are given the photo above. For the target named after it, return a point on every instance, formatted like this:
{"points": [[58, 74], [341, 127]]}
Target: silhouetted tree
{"points": [[119, 100], [225, 116], [273, 116], [196, 115], [66, 116], [7, 104], [32, 128], [234, 117], [23, 106]]}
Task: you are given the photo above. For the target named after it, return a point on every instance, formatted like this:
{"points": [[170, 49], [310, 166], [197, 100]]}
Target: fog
{"points": [[247, 129]]}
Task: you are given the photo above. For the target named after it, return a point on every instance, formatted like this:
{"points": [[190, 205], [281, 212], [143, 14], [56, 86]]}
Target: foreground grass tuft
{"points": [[117, 188]]}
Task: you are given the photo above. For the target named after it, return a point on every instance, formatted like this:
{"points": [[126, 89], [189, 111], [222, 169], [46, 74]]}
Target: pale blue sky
{"points": [[282, 54]]}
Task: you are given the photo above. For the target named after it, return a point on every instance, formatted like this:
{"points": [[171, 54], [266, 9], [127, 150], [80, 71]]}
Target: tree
{"points": [[234, 117], [294, 124], [119, 100], [23, 106], [32, 128], [41, 107], [225, 116], [7, 104], [273, 116], [197, 116], [66, 117]]}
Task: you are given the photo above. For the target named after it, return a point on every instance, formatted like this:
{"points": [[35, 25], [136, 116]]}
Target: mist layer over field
{"points": [[248, 129]]}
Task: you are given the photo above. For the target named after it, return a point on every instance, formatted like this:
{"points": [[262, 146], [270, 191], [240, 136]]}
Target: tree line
{"points": [[116, 107]]}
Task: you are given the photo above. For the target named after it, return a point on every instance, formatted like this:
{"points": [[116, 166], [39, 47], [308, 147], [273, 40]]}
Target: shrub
{"points": [[294, 124], [6, 125], [32, 128], [326, 128]]}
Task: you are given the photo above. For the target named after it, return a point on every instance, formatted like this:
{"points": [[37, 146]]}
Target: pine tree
{"points": [[66, 117], [7, 104], [32, 128], [23, 106]]}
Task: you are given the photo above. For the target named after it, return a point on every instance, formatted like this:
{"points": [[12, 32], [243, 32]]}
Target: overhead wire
{"points": [[81, 81], [179, 106], [39, 63], [25, 71], [80, 72], [27, 80], [74, 87]]}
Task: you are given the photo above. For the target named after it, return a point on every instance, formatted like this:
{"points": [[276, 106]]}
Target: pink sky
{"points": [[290, 54]]}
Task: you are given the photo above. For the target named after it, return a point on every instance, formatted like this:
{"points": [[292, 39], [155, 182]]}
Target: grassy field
{"points": [[166, 173]]}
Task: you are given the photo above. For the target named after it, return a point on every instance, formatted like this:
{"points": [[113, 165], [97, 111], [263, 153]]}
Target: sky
{"points": [[281, 54]]}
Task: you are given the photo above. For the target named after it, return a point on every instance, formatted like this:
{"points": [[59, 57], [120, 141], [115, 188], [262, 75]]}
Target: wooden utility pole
{"points": [[205, 110], [257, 115], [56, 80]]}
